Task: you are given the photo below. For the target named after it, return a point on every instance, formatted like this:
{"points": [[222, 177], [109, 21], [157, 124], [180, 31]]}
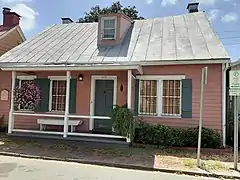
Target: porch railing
{"points": [[62, 133]]}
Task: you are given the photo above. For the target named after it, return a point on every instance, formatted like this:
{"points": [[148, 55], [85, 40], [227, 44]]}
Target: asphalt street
{"points": [[15, 168]]}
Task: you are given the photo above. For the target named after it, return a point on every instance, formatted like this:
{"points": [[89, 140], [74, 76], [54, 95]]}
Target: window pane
{"points": [[108, 33], [109, 23], [171, 97], [148, 97], [58, 95], [171, 87], [165, 88], [176, 105]]}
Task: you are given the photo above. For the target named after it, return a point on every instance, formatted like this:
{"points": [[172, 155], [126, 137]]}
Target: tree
{"points": [[116, 7]]}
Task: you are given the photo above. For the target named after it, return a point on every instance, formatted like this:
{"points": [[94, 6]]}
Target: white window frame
{"points": [[102, 27], [24, 78], [159, 80], [54, 78]]}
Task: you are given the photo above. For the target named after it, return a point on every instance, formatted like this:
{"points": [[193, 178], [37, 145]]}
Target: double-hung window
{"points": [[57, 100], [148, 97], [109, 28], [171, 97], [160, 97]]}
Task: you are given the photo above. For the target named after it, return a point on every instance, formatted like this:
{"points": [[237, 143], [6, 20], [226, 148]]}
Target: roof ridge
{"points": [[200, 12]]}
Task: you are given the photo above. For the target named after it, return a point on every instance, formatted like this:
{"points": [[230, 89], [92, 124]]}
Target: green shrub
{"points": [[161, 135], [3, 127], [123, 121]]}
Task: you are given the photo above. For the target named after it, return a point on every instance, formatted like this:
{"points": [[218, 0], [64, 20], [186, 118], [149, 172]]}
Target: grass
{"points": [[189, 163], [209, 165], [213, 165]]}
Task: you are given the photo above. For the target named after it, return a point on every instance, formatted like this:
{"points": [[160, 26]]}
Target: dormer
{"points": [[112, 28]]}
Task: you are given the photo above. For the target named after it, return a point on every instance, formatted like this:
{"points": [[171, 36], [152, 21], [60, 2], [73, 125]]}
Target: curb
{"points": [[118, 165]]}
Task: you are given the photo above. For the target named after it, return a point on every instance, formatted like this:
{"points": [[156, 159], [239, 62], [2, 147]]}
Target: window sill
{"points": [[156, 116], [171, 117], [55, 112], [24, 111], [108, 39]]}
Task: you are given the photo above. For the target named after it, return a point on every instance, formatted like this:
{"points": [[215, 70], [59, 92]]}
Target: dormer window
{"points": [[112, 28], [109, 28]]}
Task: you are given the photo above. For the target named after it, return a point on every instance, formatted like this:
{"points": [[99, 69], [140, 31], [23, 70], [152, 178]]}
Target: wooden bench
{"points": [[59, 122]]}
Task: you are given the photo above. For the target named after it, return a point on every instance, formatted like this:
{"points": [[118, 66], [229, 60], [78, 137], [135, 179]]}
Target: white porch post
{"points": [[65, 131], [129, 95], [11, 117]]}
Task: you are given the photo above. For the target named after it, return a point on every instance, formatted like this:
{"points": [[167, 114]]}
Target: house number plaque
{"points": [[4, 95]]}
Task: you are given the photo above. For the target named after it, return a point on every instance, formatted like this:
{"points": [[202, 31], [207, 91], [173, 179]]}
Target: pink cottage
{"points": [[84, 69]]}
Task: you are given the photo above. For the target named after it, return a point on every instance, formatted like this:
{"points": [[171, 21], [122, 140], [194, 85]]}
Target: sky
{"points": [[38, 14]]}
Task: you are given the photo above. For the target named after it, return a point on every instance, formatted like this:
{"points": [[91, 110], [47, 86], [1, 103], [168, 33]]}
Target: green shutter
{"points": [[16, 82], [16, 86], [187, 98], [44, 85], [136, 97], [72, 98]]}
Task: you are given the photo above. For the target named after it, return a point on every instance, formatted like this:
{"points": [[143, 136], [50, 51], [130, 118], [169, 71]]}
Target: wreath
{"points": [[27, 96]]}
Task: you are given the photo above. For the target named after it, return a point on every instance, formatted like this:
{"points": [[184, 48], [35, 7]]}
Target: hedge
{"points": [[161, 135]]}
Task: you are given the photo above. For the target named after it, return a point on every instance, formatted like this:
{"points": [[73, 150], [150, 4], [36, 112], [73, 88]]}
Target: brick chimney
{"points": [[10, 19], [66, 20], [192, 7]]}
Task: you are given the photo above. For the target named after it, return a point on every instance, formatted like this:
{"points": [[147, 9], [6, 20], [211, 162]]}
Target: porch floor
{"points": [[84, 140]]}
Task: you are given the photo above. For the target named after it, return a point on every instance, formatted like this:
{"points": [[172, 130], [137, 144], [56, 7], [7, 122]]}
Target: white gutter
{"points": [[153, 62], [225, 67], [182, 62], [74, 68]]}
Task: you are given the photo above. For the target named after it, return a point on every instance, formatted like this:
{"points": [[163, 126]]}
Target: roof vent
{"points": [[66, 20], [192, 7]]}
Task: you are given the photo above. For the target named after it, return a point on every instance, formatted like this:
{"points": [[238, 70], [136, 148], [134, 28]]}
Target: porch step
{"points": [[97, 142]]}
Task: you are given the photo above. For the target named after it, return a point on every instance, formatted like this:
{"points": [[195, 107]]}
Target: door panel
{"points": [[103, 105]]}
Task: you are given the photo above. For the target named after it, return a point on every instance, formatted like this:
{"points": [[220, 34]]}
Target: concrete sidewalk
{"points": [[124, 166], [12, 168]]}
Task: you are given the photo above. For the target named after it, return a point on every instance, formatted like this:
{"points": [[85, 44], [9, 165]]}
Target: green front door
{"points": [[103, 105]]}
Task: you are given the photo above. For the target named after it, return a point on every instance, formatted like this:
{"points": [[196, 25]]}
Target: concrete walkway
{"points": [[12, 168]]}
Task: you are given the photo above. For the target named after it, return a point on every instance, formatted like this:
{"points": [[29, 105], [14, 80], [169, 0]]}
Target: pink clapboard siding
{"points": [[212, 117]]}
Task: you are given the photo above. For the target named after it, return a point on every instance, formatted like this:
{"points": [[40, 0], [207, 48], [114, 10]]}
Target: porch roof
{"points": [[182, 38], [235, 63], [67, 67]]}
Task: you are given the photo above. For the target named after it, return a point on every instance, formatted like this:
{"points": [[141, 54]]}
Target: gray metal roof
{"points": [[183, 37]]}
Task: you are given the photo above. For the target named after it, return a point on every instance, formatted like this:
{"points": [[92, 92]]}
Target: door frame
{"points": [[92, 100]]}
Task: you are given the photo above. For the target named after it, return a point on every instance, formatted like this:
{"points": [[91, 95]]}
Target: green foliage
{"points": [[2, 126], [123, 121], [116, 7], [1, 120], [161, 135], [230, 129]]}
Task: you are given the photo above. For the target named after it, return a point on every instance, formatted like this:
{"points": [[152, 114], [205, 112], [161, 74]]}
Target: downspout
{"points": [[225, 67]]}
